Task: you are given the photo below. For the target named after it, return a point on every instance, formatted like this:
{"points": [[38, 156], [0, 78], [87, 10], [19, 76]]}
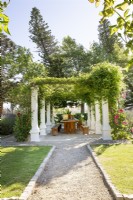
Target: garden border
{"points": [[29, 188], [116, 193]]}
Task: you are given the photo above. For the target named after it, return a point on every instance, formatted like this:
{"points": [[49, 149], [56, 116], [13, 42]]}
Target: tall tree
{"points": [[17, 70], [75, 56], [124, 19], [7, 48], [57, 66], [96, 53], [41, 36], [119, 57], [4, 19], [106, 40], [112, 48]]}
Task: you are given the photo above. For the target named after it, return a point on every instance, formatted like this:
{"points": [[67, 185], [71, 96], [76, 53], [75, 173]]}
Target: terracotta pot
{"points": [[65, 117]]}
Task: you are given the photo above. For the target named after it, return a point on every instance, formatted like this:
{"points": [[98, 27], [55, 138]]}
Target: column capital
{"points": [[35, 87]]}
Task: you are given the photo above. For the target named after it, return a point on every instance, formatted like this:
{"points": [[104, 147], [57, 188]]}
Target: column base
{"points": [[34, 135], [98, 130], [48, 128], [43, 131], [106, 135], [92, 129]]}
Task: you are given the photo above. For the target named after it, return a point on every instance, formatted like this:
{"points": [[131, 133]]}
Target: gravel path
{"points": [[70, 173]]}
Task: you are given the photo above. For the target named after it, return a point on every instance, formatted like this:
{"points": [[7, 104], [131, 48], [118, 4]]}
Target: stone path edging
{"points": [[115, 192], [29, 188]]}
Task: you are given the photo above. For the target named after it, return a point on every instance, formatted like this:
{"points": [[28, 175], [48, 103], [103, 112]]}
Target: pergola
{"points": [[103, 84], [45, 127]]}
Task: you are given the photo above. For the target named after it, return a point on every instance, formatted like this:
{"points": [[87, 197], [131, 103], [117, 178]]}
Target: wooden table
{"points": [[70, 125]]}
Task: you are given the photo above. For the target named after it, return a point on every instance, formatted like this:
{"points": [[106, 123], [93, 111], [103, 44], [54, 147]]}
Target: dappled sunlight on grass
{"points": [[117, 160], [15, 188], [18, 166]]}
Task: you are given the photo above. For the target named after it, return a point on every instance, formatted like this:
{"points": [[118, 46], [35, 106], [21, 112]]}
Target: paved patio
{"points": [[55, 140]]}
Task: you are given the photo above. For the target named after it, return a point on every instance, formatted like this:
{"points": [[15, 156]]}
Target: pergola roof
{"points": [[104, 81]]}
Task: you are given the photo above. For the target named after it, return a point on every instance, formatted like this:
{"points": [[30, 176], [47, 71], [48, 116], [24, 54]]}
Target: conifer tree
{"points": [[41, 36], [107, 41]]}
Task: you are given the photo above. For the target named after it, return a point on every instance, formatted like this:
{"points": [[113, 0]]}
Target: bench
{"points": [[55, 129], [85, 129]]}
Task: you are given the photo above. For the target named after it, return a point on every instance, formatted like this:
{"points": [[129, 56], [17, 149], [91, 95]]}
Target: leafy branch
{"points": [[124, 21], [4, 19]]}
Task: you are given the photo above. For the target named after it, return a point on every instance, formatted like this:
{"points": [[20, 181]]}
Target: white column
{"points": [[34, 132], [85, 107], [48, 118], [53, 122], [106, 129], [92, 124], [98, 126], [89, 116], [42, 119]]}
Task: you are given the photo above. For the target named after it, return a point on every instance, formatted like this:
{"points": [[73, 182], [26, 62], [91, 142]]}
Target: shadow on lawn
{"points": [[102, 148]]}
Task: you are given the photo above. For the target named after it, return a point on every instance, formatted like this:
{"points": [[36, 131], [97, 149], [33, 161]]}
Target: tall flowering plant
{"points": [[121, 129]]}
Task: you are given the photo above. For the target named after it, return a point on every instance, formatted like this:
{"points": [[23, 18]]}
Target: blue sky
{"points": [[77, 18]]}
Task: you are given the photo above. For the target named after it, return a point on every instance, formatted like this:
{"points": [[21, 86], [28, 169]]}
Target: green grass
{"points": [[18, 165], [117, 160]]}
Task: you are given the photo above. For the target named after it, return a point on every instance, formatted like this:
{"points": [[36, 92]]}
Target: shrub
{"points": [[81, 116], [7, 124], [121, 135], [58, 118], [120, 125], [22, 126]]}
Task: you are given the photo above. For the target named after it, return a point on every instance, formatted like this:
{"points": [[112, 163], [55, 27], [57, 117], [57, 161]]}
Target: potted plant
{"points": [[66, 114]]}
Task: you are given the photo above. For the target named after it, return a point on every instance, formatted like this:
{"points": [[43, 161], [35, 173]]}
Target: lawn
{"points": [[18, 165], [117, 160]]}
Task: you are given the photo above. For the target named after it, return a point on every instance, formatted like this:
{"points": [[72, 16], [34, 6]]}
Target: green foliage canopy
{"points": [[104, 81]]}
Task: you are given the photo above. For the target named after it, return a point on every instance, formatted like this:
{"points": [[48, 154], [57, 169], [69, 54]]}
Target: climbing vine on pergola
{"points": [[101, 86], [104, 82]]}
